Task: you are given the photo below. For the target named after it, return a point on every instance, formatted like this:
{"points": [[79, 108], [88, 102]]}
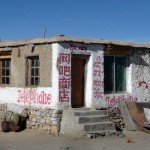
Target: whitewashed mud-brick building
{"points": [[50, 75]]}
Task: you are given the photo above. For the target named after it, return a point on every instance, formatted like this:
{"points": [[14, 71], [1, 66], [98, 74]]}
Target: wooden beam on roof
{"points": [[5, 53], [118, 50]]}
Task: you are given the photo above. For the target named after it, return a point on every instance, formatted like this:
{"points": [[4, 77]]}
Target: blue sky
{"points": [[123, 20]]}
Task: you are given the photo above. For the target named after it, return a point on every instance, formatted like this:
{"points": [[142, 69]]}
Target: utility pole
{"points": [[44, 32]]}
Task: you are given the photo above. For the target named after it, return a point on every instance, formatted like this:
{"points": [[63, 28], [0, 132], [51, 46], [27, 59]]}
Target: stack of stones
{"points": [[44, 120], [39, 119], [3, 109], [116, 117]]}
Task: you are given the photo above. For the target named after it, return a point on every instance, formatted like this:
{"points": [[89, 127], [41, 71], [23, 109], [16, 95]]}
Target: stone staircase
{"points": [[79, 122]]}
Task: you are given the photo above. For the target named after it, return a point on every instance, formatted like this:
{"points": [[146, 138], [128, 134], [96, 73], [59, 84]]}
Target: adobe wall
{"points": [[46, 94], [18, 64]]}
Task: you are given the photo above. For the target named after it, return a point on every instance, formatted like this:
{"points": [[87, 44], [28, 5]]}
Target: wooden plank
{"points": [[5, 57], [130, 125]]}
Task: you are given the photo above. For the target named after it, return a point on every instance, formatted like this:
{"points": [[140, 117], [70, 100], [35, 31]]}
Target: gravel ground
{"points": [[36, 140]]}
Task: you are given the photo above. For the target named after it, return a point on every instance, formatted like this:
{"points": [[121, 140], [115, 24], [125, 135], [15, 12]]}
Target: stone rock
{"points": [[34, 119], [56, 122], [40, 128], [32, 112], [46, 127], [54, 130], [37, 113], [29, 126], [42, 121], [57, 111], [33, 123], [38, 119], [55, 119], [43, 114], [48, 121], [90, 136], [54, 115]]}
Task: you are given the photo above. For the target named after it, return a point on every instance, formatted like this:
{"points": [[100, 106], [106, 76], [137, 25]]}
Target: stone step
{"points": [[102, 132], [93, 119], [81, 108], [88, 112], [99, 126]]}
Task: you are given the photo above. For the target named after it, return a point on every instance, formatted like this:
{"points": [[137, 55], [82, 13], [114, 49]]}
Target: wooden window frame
{"points": [[32, 68], [3, 72]]}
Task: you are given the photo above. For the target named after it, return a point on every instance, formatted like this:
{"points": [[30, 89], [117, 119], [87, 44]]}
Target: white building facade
{"points": [[65, 72]]}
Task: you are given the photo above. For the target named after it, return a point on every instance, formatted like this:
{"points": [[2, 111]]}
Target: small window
{"points": [[34, 71], [5, 71], [114, 74]]}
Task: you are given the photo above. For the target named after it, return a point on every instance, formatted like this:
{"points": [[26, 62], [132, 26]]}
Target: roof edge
{"points": [[62, 38]]}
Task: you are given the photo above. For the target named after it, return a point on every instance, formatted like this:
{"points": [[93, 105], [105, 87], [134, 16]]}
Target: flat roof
{"points": [[62, 38]]}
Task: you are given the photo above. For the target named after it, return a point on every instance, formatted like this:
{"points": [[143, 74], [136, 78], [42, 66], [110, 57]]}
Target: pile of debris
{"points": [[14, 119], [116, 117]]}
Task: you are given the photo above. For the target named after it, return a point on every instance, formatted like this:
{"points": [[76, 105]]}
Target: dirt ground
{"points": [[36, 140]]}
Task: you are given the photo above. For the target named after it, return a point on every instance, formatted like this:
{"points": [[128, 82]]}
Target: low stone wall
{"points": [[3, 109], [40, 119], [116, 117]]}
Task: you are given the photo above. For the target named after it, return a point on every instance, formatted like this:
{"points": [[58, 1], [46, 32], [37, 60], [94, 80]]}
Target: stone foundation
{"points": [[3, 109], [40, 119]]}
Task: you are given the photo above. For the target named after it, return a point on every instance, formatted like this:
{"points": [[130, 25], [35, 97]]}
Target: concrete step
{"points": [[81, 121], [102, 132], [88, 112], [81, 108], [99, 126], [93, 119]]}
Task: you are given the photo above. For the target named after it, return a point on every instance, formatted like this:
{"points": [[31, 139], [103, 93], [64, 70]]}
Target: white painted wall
{"points": [[138, 80], [140, 63], [92, 51], [51, 97]]}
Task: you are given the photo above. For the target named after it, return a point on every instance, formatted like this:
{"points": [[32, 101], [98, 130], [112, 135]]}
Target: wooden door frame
{"points": [[84, 57]]}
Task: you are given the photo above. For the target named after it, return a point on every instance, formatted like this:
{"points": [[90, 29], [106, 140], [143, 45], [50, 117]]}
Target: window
{"points": [[5, 71], [114, 74], [33, 71]]}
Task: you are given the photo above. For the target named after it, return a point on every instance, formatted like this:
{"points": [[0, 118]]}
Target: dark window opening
{"points": [[114, 74]]}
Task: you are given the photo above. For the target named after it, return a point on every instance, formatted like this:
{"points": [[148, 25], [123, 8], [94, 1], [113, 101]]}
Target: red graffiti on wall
{"points": [[32, 97], [64, 77], [112, 101], [73, 47], [143, 84], [98, 84], [64, 83], [64, 58], [63, 96], [64, 70], [98, 73]]}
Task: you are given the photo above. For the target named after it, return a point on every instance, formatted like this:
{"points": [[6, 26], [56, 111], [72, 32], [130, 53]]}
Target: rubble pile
{"points": [[117, 134], [116, 117]]}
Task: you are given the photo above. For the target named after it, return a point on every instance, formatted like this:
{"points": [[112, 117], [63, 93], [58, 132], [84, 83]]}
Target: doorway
{"points": [[78, 63]]}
